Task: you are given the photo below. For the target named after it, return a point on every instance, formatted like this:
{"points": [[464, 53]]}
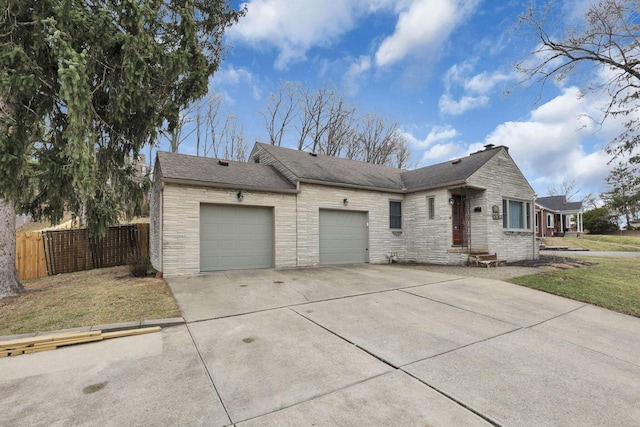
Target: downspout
{"points": [[297, 229], [468, 215], [533, 225]]}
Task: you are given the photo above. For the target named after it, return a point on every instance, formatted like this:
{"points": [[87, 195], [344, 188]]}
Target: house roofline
{"points": [[447, 185], [227, 186], [353, 186]]}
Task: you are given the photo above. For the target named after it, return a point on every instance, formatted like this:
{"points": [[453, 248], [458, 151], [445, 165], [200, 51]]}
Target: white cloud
{"points": [[448, 105], [421, 26], [559, 142], [293, 27], [354, 75], [441, 152], [474, 88], [232, 76], [437, 133], [485, 82]]}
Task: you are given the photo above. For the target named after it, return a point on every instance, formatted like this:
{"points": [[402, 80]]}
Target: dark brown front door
{"points": [[459, 220]]}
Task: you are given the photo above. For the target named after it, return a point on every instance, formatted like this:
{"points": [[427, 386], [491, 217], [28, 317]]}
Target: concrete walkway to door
{"points": [[395, 345]]}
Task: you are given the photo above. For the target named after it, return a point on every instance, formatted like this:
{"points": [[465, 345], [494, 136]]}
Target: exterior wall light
{"points": [[345, 201], [451, 201], [240, 196]]}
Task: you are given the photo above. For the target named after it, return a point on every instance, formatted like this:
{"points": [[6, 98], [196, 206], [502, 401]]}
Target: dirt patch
{"points": [[85, 298], [509, 271], [554, 262]]}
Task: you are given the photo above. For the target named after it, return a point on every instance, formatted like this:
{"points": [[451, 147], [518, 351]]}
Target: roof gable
{"points": [[332, 170], [447, 173], [224, 173]]}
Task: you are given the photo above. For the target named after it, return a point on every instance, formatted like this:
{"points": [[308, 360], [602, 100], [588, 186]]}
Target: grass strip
{"points": [[612, 283]]}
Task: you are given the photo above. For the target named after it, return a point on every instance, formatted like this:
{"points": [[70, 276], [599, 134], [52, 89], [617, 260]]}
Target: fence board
{"points": [[65, 251], [30, 261]]}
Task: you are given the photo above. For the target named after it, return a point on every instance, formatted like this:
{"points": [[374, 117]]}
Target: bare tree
{"points": [[608, 39], [402, 154], [590, 202], [233, 140], [568, 188], [340, 127], [327, 124], [280, 111], [211, 143], [181, 131], [379, 139], [315, 117]]}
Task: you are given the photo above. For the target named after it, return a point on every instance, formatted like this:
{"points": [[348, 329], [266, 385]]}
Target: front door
{"points": [[459, 220]]}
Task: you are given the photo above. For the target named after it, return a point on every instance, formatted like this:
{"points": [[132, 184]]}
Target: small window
{"points": [[395, 215], [432, 207], [549, 220]]}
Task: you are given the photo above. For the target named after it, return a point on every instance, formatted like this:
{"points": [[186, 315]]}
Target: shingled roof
{"points": [[334, 170], [213, 172], [447, 173], [320, 168], [558, 203]]}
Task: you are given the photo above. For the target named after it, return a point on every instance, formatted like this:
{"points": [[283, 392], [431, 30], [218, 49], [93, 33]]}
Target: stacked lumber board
{"points": [[51, 342]]}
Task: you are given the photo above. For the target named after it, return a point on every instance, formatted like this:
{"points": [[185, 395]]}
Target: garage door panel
{"points": [[236, 237], [343, 237]]}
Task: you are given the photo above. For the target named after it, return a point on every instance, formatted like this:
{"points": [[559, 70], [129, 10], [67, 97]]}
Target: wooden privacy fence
{"points": [[30, 256], [63, 251]]}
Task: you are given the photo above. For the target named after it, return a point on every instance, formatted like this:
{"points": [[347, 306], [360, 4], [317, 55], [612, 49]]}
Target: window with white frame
{"points": [[432, 207], [516, 214], [549, 220]]}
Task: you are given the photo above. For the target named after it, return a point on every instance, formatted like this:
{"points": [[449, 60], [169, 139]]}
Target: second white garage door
{"points": [[235, 237], [343, 237]]}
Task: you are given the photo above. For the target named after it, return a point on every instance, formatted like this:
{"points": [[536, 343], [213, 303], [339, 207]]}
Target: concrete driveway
{"points": [[345, 346]]}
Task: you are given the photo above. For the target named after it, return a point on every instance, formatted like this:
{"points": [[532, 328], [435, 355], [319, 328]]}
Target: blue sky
{"points": [[443, 69]]}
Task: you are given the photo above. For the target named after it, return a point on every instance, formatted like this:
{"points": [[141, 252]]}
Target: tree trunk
{"points": [[9, 284]]}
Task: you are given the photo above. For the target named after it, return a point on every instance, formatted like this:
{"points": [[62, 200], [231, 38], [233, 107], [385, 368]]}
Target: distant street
{"points": [[593, 253]]}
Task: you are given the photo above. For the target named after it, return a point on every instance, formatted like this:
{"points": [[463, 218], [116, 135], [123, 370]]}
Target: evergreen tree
{"points": [[624, 194], [84, 85]]}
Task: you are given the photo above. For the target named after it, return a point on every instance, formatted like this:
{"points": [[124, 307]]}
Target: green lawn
{"points": [[595, 242], [612, 283]]}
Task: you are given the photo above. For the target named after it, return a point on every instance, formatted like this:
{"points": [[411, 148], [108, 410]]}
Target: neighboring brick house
{"points": [[555, 216], [289, 208]]}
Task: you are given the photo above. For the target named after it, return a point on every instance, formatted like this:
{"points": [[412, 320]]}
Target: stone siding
{"points": [[427, 240], [502, 178], [382, 239], [175, 225], [155, 226], [181, 224]]}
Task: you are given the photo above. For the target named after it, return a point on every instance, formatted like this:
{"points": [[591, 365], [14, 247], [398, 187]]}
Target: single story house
{"points": [[290, 208], [556, 216]]}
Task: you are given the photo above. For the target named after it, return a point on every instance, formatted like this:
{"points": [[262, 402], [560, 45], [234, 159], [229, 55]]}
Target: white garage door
{"points": [[343, 237], [235, 237]]}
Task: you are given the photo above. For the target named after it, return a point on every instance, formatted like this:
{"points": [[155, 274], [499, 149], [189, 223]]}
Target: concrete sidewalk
{"points": [[356, 345]]}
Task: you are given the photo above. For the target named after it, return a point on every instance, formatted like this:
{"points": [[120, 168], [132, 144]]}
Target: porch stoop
{"points": [[486, 260]]}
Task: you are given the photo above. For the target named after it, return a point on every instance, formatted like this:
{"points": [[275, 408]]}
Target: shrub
{"points": [[599, 220], [138, 265]]}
